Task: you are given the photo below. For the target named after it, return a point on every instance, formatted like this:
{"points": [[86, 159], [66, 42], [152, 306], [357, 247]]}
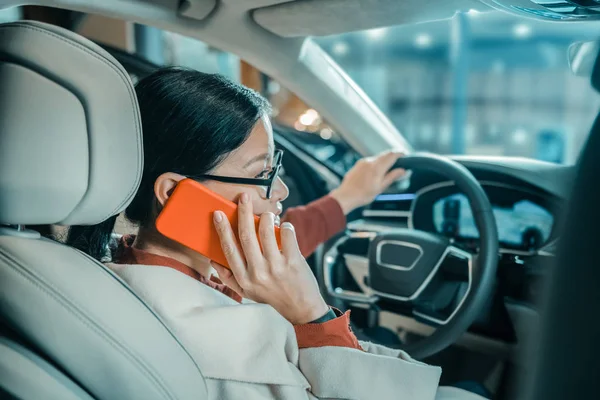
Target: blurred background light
{"points": [[377, 33], [522, 31], [519, 136], [423, 40], [326, 133], [340, 48]]}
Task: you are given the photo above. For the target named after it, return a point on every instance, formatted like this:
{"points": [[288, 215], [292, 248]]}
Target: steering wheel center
{"points": [[401, 263]]}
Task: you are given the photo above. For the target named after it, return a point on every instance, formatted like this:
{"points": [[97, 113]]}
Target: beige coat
{"points": [[248, 351]]}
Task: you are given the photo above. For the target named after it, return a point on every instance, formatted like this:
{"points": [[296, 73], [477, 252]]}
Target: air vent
{"points": [[390, 205], [563, 10]]}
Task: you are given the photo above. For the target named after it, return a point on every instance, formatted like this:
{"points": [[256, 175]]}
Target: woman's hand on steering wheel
{"points": [[366, 179], [281, 279]]}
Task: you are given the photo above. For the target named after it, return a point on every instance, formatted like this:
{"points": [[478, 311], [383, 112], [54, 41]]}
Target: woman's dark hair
{"points": [[191, 121]]}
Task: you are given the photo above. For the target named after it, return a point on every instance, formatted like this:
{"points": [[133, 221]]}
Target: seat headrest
{"points": [[70, 132]]}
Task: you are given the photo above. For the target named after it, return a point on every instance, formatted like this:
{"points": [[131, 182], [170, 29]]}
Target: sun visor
{"points": [[328, 17]]}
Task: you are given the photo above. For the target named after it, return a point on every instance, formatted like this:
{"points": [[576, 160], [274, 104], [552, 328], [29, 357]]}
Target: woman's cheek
{"points": [[259, 206], [230, 192], [221, 190]]}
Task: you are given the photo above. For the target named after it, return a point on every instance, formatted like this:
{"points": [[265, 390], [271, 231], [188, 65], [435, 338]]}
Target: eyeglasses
{"points": [[267, 182]]}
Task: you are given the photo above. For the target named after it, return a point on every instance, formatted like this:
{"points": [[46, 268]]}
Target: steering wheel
{"points": [[405, 264]]}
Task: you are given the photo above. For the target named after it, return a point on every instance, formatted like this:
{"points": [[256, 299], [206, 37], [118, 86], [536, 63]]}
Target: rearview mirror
{"points": [[582, 57], [582, 60]]}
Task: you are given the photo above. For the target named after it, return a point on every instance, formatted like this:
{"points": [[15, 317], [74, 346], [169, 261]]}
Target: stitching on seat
{"points": [[73, 309], [123, 76]]}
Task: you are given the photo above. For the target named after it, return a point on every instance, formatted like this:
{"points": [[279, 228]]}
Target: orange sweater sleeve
{"points": [[335, 332], [316, 222]]}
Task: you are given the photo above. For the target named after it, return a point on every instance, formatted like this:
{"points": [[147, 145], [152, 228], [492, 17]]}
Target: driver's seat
{"points": [[71, 153]]}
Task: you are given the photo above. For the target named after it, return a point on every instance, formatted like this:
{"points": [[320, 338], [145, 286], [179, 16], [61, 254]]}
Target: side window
{"points": [[192, 53], [307, 128], [292, 118]]}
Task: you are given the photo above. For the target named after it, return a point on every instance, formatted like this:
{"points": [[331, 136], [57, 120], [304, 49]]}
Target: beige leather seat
{"points": [[71, 153]]}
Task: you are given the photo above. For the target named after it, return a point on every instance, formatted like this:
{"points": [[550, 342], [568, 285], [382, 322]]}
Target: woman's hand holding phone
{"points": [[281, 279]]}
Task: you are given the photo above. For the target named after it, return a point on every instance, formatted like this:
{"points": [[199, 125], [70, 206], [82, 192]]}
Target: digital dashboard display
{"points": [[525, 225]]}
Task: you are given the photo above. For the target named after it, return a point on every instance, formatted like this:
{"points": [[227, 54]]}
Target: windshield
{"points": [[480, 84]]}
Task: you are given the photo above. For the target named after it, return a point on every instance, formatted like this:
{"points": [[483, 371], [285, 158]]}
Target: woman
{"points": [[283, 342]]}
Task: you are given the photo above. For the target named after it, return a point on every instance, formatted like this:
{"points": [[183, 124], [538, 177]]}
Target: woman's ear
{"points": [[164, 185]]}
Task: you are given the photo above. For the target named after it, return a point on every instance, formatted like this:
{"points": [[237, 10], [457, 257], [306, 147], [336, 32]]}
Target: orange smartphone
{"points": [[187, 218]]}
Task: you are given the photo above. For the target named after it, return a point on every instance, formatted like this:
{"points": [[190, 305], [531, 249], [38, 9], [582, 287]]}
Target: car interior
{"points": [[484, 265]]}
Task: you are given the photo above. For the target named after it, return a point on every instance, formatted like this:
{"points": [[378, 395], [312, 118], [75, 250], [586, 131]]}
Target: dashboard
{"points": [[524, 218], [525, 225]]}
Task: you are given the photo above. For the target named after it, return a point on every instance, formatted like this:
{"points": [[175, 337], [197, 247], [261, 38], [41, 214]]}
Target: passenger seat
{"points": [[71, 153]]}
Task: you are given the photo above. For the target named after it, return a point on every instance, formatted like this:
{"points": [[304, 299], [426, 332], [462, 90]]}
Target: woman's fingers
{"points": [[387, 160], [247, 231], [289, 243], [229, 245], [227, 277], [393, 176], [266, 231]]}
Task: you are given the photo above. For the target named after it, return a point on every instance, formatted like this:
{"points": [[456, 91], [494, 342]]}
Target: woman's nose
{"points": [[280, 190]]}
